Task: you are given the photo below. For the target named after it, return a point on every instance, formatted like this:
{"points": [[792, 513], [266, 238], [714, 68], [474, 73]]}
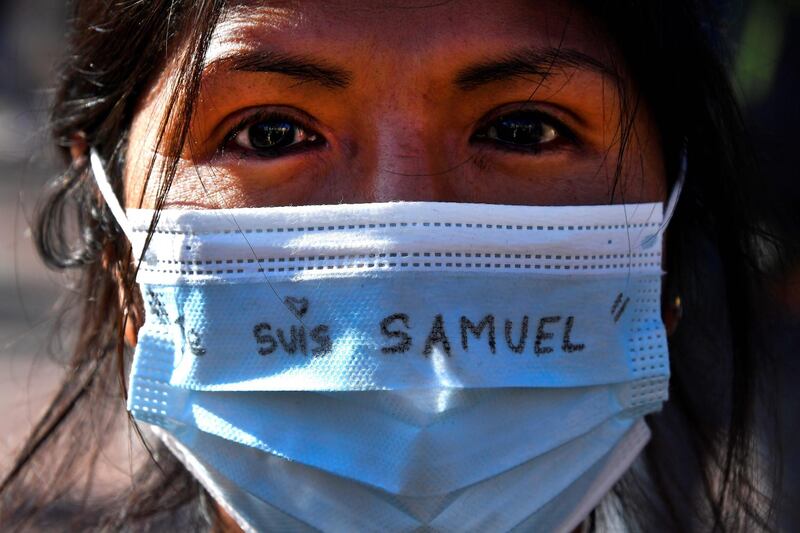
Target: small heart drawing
{"points": [[298, 306]]}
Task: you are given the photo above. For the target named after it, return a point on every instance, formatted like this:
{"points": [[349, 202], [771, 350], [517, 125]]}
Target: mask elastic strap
{"points": [[101, 178], [672, 202]]}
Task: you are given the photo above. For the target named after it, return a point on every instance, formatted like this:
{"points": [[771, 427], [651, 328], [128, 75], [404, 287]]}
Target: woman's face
{"points": [[354, 101]]}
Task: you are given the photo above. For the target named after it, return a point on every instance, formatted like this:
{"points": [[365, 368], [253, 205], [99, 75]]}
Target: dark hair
{"points": [[700, 471]]}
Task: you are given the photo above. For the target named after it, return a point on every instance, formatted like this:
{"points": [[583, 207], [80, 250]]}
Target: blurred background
{"points": [[767, 66], [30, 34]]}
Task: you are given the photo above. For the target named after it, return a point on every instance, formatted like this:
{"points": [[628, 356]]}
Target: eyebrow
{"points": [[537, 62], [302, 68]]}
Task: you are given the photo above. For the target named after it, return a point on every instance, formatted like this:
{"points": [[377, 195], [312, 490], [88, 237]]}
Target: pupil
{"points": [[271, 135], [520, 131]]}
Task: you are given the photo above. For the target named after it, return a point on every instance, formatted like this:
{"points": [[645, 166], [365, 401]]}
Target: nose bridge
{"points": [[409, 162]]}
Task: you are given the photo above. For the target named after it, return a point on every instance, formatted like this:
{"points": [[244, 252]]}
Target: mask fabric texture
{"points": [[404, 366]]}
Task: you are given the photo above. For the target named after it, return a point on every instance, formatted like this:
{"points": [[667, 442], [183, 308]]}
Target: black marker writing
{"points": [[191, 337], [567, 345], [259, 332], [297, 339], [404, 342], [157, 307], [437, 336], [523, 335], [542, 335], [618, 307], [298, 336], [298, 306], [477, 331], [320, 335], [617, 301], [195, 344]]}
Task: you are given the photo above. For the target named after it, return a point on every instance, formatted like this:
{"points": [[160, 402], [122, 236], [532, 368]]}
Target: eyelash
{"points": [[564, 134], [257, 117]]}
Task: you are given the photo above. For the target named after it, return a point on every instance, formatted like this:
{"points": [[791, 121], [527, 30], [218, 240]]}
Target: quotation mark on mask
{"points": [[298, 306], [619, 306], [157, 307]]}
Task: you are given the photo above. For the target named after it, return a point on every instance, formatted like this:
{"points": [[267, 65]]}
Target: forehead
{"points": [[411, 30]]}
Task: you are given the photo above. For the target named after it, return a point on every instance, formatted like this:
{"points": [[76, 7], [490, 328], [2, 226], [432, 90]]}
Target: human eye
{"points": [[524, 131], [270, 134]]}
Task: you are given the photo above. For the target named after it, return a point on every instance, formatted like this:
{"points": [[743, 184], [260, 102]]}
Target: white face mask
{"points": [[401, 365]]}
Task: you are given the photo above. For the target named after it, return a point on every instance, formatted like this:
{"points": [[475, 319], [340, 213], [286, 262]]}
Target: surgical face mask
{"points": [[404, 365]]}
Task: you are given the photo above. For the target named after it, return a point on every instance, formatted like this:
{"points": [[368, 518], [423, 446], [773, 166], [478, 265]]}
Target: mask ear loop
{"points": [[672, 203], [104, 185], [101, 178]]}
